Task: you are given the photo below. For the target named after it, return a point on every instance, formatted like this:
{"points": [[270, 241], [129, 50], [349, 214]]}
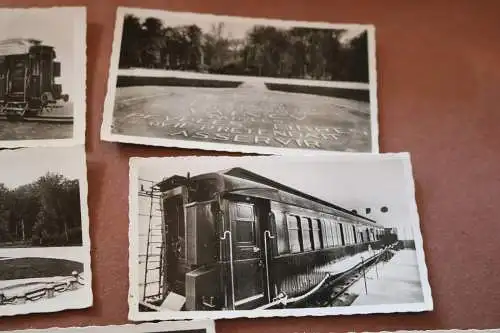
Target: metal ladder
{"points": [[152, 258]]}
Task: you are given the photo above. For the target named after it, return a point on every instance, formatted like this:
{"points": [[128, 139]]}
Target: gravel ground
{"points": [[249, 114]]}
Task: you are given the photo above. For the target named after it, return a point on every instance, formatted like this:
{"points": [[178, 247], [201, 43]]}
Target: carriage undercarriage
{"points": [[23, 111]]}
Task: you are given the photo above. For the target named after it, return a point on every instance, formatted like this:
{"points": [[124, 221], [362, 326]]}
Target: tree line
{"points": [[45, 212], [304, 53]]}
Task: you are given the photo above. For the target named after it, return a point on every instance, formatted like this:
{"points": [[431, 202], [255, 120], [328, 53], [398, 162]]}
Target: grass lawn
{"points": [[28, 268]]}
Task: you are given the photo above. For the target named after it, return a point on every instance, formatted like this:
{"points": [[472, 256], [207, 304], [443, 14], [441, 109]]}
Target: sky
{"points": [[53, 28], [23, 166], [233, 27], [351, 183]]}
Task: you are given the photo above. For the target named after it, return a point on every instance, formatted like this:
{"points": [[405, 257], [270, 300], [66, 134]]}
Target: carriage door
{"points": [[18, 75], [248, 255]]}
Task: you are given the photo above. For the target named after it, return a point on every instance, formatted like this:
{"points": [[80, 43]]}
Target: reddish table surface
{"points": [[438, 68]]}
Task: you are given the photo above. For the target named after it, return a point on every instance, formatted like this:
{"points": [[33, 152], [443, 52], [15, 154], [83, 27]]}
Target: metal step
{"points": [[149, 262], [147, 215], [153, 269], [148, 283], [151, 235]]}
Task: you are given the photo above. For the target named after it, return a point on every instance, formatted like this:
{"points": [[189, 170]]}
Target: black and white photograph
{"points": [[265, 236], [44, 231], [252, 85], [197, 326], [42, 76]]}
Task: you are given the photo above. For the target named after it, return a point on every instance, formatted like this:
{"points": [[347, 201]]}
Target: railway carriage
{"points": [[237, 240], [27, 78]]}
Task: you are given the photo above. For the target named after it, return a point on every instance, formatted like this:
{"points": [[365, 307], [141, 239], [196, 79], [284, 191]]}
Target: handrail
{"points": [[231, 262], [48, 290], [267, 234], [285, 300]]}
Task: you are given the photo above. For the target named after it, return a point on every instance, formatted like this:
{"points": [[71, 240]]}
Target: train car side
{"points": [[27, 77], [234, 242]]}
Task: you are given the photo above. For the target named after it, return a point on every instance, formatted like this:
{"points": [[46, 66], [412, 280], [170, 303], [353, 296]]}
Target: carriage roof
{"points": [[14, 46], [243, 182]]}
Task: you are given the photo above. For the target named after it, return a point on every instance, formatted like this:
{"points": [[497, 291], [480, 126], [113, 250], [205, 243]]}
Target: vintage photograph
{"points": [[198, 326], [241, 84], [44, 231], [225, 237], [42, 76]]}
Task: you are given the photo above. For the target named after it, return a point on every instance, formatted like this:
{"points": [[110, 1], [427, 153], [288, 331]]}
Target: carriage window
{"points": [[316, 234], [329, 231], [245, 223], [336, 234], [341, 233], [306, 233], [347, 239], [36, 68], [347, 234], [245, 231], [293, 233], [351, 235], [282, 234], [324, 232], [244, 211]]}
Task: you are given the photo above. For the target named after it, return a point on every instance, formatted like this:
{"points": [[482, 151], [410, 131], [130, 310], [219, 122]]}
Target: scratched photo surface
{"points": [[44, 240], [241, 84], [198, 326], [225, 237], [42, 76]]}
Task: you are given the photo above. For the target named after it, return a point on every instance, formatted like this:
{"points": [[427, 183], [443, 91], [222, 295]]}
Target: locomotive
{"points": [[27, 78], [237, 240]]}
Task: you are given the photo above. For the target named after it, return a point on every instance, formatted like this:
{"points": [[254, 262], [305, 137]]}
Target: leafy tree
{"points": [[130, 51], [4, 214], [43, 213], [299, 52]]}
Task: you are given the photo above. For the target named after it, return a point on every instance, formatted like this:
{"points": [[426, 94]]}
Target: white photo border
{"points": [[79, 77], [83, 251], [107, 121], [163, 327], [413, 220]]}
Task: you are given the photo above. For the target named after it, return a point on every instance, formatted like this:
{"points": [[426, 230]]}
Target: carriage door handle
{"points": [[267, 234], [255, 249]]}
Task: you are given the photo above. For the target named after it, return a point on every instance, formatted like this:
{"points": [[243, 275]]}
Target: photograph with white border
{"points": [[44, 231], [42, 76], [196, 326], [269, 236], [213, 82]]}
